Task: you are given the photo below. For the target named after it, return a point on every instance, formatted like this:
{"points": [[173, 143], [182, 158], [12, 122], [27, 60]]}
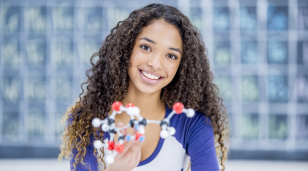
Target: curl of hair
{"points": [[108, 82]]}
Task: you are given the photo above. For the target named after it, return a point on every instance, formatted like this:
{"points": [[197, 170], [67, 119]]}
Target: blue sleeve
{"points": [[201, 145], [89, 159]]}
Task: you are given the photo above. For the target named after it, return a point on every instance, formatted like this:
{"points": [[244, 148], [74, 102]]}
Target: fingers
{"points": [[138, 152], [128, 142], [123, 131], [138, 155], [134, 155], [134, 149]]}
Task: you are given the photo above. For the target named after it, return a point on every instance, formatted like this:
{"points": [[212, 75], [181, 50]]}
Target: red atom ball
{"points": [[178, 107], [119, 148], [130, 105], [116, 106], [111, 145], [137, 136]]}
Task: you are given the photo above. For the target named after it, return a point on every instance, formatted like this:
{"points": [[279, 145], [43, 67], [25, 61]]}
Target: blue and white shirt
{"points": [[193, 141]]}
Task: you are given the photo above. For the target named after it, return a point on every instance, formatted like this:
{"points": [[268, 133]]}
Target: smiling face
{"points": [[155, 58]]}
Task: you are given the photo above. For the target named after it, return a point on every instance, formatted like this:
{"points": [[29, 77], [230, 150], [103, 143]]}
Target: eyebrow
{"points": [[151, 41], [176, 49]]}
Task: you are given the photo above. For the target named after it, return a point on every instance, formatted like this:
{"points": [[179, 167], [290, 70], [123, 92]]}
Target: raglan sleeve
{"points": [[201, 145]]}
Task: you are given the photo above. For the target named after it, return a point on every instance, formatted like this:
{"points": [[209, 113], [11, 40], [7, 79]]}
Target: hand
{"points": [[130, 157]]}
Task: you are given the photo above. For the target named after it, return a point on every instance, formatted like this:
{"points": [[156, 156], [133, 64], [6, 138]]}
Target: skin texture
{"points": [[155, 56], [109, 81]]}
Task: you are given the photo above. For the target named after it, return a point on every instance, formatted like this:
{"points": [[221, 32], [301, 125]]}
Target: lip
{"points": [[148, 80]]}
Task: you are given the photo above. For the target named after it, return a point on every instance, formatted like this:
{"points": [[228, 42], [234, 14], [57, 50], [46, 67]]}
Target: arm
{"points": [[201, 145]]}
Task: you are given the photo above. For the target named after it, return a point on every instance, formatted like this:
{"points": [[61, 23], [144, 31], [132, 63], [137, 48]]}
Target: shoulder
{"points": [[200, 118], [199, 128], [189, 128], [190, 124]]}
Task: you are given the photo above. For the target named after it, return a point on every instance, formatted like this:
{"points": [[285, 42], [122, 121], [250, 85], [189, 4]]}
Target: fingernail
{"points": [[128, 137], [141, 139]]}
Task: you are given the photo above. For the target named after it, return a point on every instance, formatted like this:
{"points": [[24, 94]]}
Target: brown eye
{"points": [[145, 47], [172, 56]]}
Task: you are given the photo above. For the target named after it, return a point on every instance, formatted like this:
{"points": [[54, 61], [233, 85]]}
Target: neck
{"points": [[150, 105]]}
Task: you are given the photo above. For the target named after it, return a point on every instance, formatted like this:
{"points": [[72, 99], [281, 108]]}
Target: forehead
{"points": [[163, 33]]}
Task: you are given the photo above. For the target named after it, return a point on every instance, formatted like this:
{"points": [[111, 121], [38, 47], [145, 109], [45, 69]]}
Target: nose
{"points": [[156, 62]]}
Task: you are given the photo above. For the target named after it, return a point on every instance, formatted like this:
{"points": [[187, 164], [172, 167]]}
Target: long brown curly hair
{"points": [[108, 82]]}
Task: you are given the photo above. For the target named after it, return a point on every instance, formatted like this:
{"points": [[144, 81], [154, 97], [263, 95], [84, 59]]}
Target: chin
{"points": [[147, 90], [144, 88]]}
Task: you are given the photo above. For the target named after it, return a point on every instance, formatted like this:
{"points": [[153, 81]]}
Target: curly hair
{"points": [[108, 82]]}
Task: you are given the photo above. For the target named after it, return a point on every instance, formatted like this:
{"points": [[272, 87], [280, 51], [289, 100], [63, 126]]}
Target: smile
{"points": [[150, 78], [153, 77]]}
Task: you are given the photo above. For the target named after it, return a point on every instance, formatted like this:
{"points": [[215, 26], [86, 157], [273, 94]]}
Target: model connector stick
{"points": [[108, 125]]}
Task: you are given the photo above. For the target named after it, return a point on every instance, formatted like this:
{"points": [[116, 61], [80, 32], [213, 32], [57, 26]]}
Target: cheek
{"points": [[133, 57], [133, 62], [172, 71], [136, 59]]}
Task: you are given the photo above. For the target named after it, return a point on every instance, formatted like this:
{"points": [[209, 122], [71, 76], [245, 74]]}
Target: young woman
{"points": [[152, 59]]}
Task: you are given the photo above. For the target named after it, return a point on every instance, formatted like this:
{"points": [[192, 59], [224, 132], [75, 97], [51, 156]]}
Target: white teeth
{"points": [[153, 77]]}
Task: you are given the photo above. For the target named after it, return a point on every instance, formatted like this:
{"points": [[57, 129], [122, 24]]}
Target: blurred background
{"points": [[258, 51]]}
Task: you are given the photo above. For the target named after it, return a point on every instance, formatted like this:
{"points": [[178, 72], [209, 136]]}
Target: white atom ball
{"points": [[130, 111], [133, 111], [171, 130], [98, 144], [190, 112], [105, 127], [164, 134], [109, 159], [141, 130], [96, 122], [136, 110]]}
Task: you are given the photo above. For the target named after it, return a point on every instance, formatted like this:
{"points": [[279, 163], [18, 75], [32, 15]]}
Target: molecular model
{"points": [[108, 125]]}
